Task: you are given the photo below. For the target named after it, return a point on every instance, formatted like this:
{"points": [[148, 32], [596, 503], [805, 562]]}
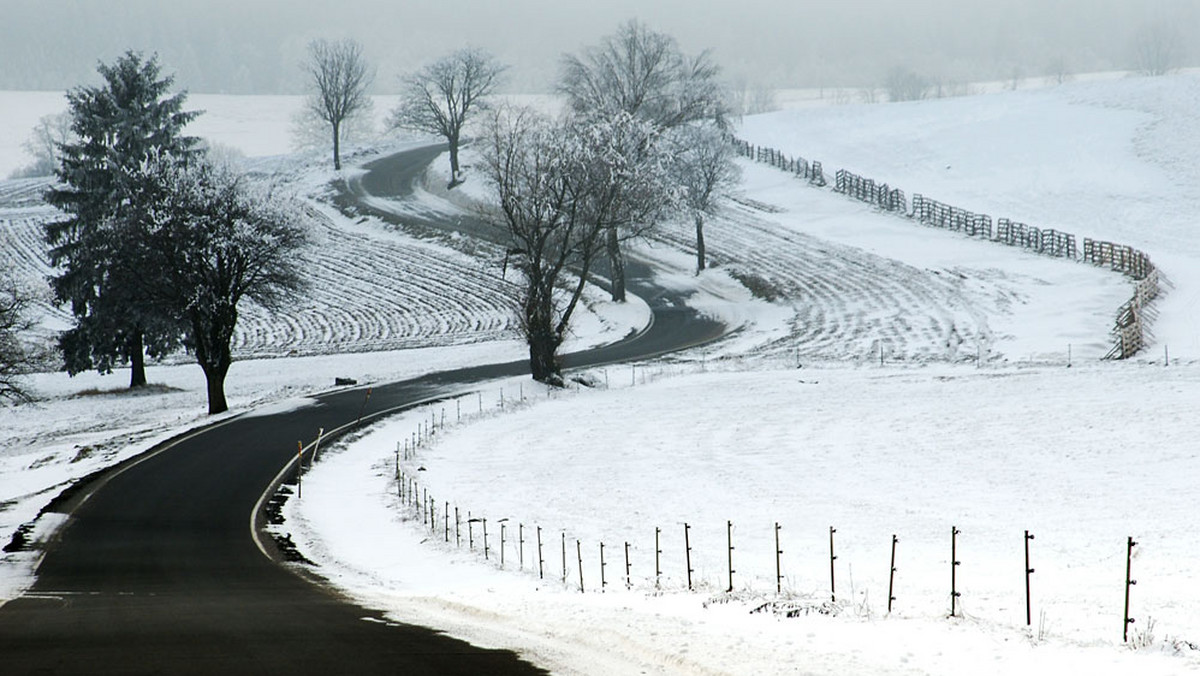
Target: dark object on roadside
{"points": [[344, 381]]}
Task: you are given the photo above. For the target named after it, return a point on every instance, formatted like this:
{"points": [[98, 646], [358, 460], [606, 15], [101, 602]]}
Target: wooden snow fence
{"points": [[1130, 330]]}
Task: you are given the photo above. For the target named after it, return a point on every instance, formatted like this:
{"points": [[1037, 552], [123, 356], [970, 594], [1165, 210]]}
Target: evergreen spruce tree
{"points": [[119, 125]]}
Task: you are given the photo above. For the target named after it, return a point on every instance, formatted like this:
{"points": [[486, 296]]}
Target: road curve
{"points": [[156, 570]]}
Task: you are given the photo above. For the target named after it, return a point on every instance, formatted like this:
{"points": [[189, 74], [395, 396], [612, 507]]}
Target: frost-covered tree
{"points": [[705, 168], [1157, 48], [117, 126], [903, 84], [643, 73], [340, 77], [15, 358], [442, 97], [49, 134], [217, 240], [529, 164], [626, 168], [558, 184], [310, 132]]}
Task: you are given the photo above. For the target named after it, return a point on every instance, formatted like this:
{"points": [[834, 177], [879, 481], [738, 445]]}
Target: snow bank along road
{"points": [[158, 569]]}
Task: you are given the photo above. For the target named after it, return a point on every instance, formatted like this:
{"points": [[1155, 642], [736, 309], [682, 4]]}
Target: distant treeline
{"points": [[234, 46]]}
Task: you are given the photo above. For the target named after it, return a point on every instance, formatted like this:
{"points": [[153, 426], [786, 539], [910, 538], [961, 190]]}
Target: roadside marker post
{"points": [[299, 469]]}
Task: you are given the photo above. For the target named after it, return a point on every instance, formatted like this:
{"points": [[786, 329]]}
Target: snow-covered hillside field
{"points": [[1082, 456], [973, 419]]}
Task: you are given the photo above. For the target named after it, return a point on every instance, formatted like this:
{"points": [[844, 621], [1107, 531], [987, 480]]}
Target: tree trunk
{"points": [[538, 325], [543, 358], [212, 332], [453, 161], [700, 262], [616, 266], [214, 376], [337, 147], [137, 361]]}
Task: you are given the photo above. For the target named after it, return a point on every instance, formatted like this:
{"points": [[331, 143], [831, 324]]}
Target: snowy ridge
{"points": [[1130, 327]]}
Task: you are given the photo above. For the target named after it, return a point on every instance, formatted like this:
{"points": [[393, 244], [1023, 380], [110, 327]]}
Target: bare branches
{"points": [[15, 359], [341, 77], [209, 240], [903, 84], [705, 168], [442, 97], [1156, 48], [643, 72]]}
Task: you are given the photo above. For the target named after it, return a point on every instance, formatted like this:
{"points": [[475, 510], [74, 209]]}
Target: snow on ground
{"points": [[373, 290], [1116, 160], [954, 429], [1083, 457], [871, 451]]}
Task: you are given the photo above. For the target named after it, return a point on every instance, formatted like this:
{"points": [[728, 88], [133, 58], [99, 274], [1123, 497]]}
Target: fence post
{"points": [[729, 540], [603, 579], [457, 532], [579, 553], [1028, 572], [503, 528], [446, 518], [832, 558], [657, 558], [628, 581], [521, 546], [954, 564], [1129, 582], [892, 575], [541, 561], [687, 545], [564, 557], [778, 554], [485, 540], [299, 469]]}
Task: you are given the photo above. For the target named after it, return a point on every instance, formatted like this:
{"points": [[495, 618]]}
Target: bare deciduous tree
{"points": [[643, 73], [311, 132], [903, 84], [442, 97], [529, 164], [44, 144], [705, 168], [1058, 71], [746, 98], [340, 76], [15, 358], [1156, 49], [560, 188], [212, 241]]}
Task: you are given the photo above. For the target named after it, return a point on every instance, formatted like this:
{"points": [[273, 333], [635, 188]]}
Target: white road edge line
{"points": [[278, 480]]}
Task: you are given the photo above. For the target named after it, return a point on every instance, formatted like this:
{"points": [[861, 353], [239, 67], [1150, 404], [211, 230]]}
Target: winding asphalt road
{"points": [[160, 568]]}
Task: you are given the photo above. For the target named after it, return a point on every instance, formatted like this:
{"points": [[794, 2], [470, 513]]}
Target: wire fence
{"points": [[729, 561]]}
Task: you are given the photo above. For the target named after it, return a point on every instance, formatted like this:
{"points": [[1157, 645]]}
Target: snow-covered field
{"points": [[1116, 160], [974, 420], [1081, 457]]}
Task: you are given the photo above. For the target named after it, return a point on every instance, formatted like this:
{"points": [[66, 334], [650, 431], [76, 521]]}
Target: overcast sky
{"points": [[242, 46]]}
